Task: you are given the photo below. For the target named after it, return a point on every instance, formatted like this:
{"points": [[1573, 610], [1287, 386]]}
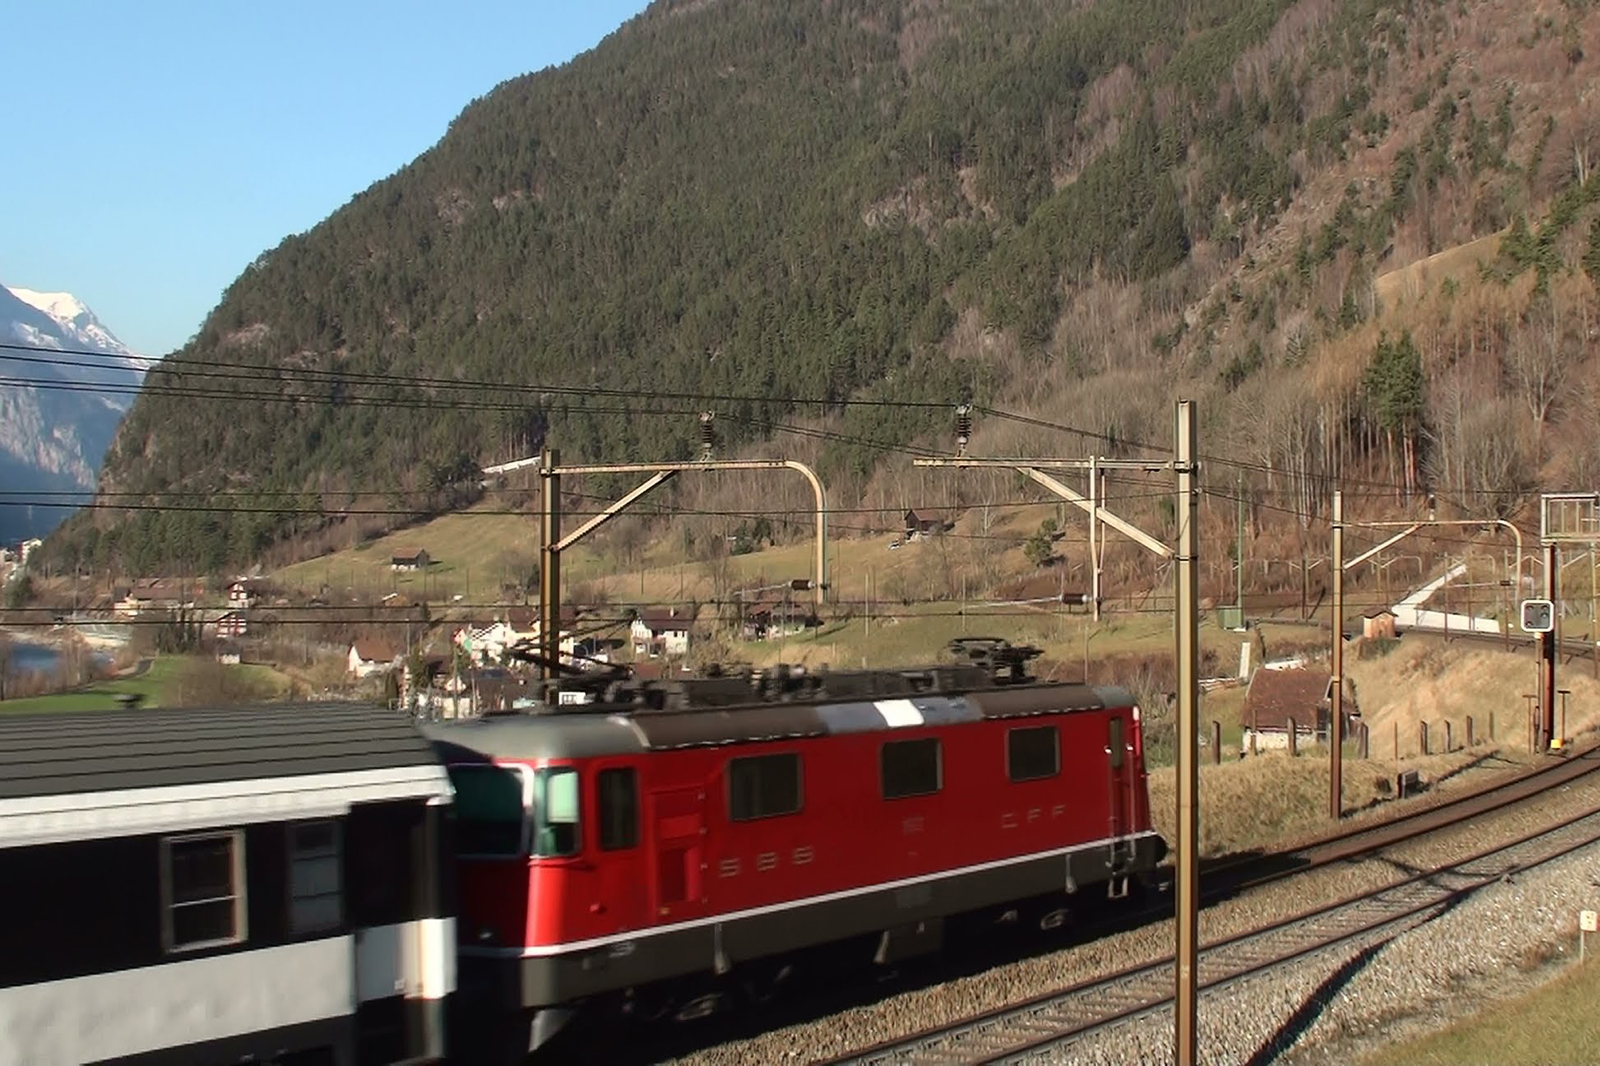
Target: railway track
{"points": [[1233, 875], [1025, 1030]]}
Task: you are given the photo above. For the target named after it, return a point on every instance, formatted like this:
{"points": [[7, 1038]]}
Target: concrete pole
{"points": [[1336, 685], [1547, 652], [1187, 623], [550, 562], [1094, 527], [1238, 550]]}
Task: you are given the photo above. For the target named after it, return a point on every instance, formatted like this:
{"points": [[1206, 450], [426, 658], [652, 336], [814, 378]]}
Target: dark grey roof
{"points": [[590, 730], [93, 751]]}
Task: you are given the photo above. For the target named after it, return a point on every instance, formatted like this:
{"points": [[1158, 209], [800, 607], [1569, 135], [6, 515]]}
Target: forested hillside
{"points": [[1070, 209]]}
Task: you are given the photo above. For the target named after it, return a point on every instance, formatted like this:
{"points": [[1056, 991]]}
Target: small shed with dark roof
{"points": [[1277, 697]]}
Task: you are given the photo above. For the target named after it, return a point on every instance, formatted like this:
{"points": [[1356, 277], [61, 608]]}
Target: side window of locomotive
{"points": [[1032, 753], [619, 808], [763, 786], [1114, 743], [910, 768], [555, 827]]}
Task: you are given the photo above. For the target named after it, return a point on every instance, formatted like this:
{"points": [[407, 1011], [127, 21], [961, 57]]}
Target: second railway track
{"points": [[1026, 1030]]}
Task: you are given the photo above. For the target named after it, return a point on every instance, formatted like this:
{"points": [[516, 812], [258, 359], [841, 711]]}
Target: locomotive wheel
{"points": [[701, 1006]]}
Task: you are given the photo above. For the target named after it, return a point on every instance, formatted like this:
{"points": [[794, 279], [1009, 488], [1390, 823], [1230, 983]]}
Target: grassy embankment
{"points": [[160, 685], [1556, 1023]]}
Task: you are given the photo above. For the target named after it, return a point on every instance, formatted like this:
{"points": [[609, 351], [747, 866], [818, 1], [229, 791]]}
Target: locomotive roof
{"points": [[63, 752], [601, 729]]}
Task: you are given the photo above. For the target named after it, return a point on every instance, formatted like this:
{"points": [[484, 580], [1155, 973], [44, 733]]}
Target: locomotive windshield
{"points": [[489, 810], [555, 813]]}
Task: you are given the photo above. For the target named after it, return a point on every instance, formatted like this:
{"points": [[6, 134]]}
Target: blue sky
{"points": [[151, 149]]}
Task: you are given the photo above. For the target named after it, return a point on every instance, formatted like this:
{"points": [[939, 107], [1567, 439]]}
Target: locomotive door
{"points": [[677, 852], [1118, 774]]}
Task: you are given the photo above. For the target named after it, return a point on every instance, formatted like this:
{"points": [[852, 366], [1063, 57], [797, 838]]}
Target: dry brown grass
{"points": [[1425, 679], [1271, 801]]}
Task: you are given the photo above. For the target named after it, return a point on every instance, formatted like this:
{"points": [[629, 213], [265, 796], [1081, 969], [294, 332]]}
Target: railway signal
{"points": [[1538, 616]]}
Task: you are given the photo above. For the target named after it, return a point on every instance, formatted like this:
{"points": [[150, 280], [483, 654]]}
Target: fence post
{"points": [[1294, 739], [1216, 742], [1470, 739], [1422, 736], [1491, 713], [1366, 742], [1449, 737], [1397, 739]]}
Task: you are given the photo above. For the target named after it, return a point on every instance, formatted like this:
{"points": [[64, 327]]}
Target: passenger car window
{"points": [[203, 890], [910, 768], [1032, 753], [315, 902], [763, 786]]}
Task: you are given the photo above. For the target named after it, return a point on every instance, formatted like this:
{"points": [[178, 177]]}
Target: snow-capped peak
{"points": [[77, 325], [61, 306]]}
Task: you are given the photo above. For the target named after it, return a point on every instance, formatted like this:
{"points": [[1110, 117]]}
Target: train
{"points": [[646, 845], [335, 884]]}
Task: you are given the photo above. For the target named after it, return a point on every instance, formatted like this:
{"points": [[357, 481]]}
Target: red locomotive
{"points": [[725, 823]]}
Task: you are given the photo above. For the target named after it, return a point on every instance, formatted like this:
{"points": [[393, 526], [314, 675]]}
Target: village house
{"points": [[230, 624], [1378, 625], [658, 631], [775, 619], [410, 561], [923, 525], [368, 657], [155, 595], [1301, 694], [228, 654], [243, 594]]}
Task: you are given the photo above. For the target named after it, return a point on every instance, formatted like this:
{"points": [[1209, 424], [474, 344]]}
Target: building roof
{"points": [[108, 750], [409, 557], [1275, 696], [1379, 613], [660, 619], [374, 651]]}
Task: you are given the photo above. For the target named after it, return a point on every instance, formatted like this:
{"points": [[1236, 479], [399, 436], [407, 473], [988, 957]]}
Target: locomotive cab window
{"points": [[202, 889], [1032, 753], [619, 808], [490, 809], [1114, 743], [555, 813], [910, 768], [763, 786]]}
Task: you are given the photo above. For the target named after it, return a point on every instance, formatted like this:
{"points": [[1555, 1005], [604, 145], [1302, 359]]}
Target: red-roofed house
{"points": [[660, 631], [368, 657], [1275, 697]]}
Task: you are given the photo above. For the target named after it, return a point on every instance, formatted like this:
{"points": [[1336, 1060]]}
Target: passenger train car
{"points": [[246, 885], [610, 849]]}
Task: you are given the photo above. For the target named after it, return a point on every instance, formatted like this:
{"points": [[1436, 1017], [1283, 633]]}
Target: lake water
{"points": [[33, 658], [40, 658]]}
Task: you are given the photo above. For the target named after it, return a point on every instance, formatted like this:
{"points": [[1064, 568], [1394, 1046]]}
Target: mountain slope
{"points": [[1070, 206], [54, 431]]}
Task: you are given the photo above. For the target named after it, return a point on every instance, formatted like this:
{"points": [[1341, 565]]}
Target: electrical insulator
{"points": [[708, 432], [963, 427]]}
